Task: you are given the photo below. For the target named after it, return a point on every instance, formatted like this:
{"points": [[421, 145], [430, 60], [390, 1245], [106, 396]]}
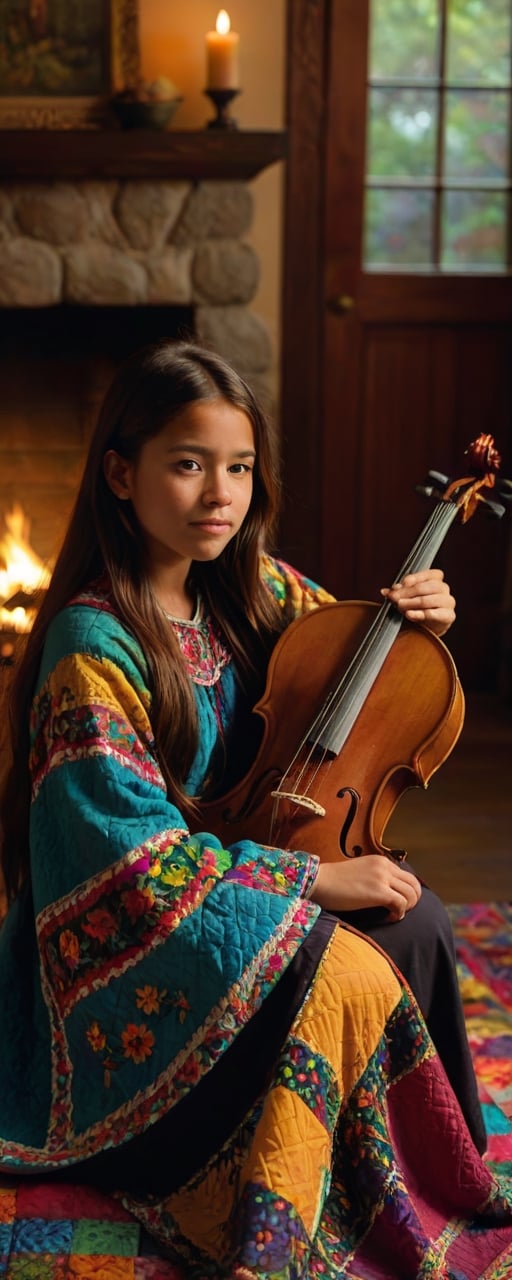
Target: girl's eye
{"points": [[188, 464], [240, 467]]}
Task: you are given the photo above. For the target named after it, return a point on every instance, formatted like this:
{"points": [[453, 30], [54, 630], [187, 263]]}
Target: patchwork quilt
{"points": [[65, 1232]]}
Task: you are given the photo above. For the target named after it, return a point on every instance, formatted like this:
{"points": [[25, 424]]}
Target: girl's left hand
{"points": [[424, 597]]}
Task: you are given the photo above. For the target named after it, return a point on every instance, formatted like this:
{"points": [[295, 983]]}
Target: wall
{"points": [[173, 43]]}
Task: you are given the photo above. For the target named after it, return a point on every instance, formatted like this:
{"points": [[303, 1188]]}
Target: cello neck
{"points": [[431, 538]]}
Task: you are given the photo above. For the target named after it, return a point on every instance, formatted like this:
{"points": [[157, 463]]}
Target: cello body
{"points": [[405, 730]]}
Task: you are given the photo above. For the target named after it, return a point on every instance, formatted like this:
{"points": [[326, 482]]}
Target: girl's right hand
{"points": [[370, 881]]}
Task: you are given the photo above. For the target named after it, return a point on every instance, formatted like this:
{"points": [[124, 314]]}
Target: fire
{"points": [[22, 573]]}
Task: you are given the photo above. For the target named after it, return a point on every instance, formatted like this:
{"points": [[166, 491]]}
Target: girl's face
{"points": [[191, 485]]}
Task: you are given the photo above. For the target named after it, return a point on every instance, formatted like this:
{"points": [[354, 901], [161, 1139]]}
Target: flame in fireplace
{"points": [[22, 573]]}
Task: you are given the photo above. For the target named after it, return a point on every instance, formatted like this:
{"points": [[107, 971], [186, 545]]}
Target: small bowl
{"points": [[145, 115]]}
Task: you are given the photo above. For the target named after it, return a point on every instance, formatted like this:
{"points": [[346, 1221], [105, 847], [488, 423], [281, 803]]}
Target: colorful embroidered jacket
{"points": [[141, 950]]}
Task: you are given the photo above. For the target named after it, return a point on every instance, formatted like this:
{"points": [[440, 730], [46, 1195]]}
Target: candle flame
{"points": [[223, 23]]}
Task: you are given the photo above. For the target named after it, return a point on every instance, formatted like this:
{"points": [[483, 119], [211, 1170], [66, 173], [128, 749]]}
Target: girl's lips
{"points": [[212, 526]]}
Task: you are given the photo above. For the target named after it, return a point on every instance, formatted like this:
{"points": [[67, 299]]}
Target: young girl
{"points": [[188, 1025]]}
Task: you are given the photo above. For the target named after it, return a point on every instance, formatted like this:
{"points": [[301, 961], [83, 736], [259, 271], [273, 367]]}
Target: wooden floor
{"points": [[458, 833]]}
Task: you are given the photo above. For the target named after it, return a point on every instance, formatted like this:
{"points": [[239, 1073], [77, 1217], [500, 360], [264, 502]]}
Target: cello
{"points": [[336, 749]]}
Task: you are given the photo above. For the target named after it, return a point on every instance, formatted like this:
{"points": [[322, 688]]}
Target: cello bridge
{"points": [[305, 802]]}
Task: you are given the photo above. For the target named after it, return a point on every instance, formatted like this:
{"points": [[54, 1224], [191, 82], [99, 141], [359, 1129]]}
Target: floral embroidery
{"points": [[175, 875], [203, 649], [411, 1034], [275, 1240], [137, 903], [137, 1042], [309, 1075], [150, 1000], [181, 1003], [100, 924], [119, 920], [275, 871], [63, 729], [69, 948], [136, 1039], [97, 1039]]}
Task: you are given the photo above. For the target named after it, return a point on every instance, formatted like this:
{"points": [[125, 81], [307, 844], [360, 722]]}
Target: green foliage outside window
{"points": [[470, 105]]}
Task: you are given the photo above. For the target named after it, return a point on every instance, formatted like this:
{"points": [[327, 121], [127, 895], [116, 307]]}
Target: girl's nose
{"points": [[216, 492]]}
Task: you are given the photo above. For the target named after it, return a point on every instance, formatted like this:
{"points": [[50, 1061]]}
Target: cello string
{"points": [[330, 708], [426, 544], [378, 640], [436, 521]]}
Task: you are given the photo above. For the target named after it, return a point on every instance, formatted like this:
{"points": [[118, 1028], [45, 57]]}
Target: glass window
{"points": [[474, 230], [476, 134], [439, 183], [478, 41], [404, 39], [398, 228], [402, 133]]}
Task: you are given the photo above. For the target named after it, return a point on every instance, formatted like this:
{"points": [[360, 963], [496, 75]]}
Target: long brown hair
{"points": [[103, 535]]}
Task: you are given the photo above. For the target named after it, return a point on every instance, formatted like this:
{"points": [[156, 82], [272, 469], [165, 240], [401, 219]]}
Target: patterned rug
{"points": [[483, 938], [72, 1233]]}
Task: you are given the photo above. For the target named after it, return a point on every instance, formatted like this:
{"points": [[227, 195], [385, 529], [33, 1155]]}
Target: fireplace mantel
{"points": [[206, 154]]}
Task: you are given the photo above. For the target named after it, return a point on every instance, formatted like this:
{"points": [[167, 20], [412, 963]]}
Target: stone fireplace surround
{"points": [[169, 250], [137, 243]]}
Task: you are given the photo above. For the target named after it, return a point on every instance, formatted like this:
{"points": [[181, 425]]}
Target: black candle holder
{"points": [[221, 99]]}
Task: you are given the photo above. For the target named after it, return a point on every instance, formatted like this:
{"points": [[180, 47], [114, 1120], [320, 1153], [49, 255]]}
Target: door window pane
{"points": [[402, 133], [476, 135], [439, 145], [478, 40], [398, 228], [404, 39], [474, 230]]}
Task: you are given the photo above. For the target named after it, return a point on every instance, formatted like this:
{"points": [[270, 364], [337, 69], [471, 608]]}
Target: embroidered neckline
{"points": [[203, 648]]}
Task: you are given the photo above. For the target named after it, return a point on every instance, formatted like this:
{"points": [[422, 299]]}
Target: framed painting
{"points": [[61, 61]]}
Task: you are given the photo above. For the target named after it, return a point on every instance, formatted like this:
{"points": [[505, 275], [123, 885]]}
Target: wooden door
{"points": [[389, 369]]}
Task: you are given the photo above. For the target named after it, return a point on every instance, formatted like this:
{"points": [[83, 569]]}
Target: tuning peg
{"points": [[435, 484], [437, 479], [495, 509], [504, 488]]}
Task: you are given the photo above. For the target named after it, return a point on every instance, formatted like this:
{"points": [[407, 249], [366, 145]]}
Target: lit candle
{"points": [[222, 54]]}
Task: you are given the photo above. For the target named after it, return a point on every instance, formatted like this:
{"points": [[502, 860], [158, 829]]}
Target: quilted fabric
{"points": [[72, 1233], [123, 899], [330, 1174]]}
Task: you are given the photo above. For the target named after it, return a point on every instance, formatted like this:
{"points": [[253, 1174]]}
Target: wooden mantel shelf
{"points": [[134, 153]]}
